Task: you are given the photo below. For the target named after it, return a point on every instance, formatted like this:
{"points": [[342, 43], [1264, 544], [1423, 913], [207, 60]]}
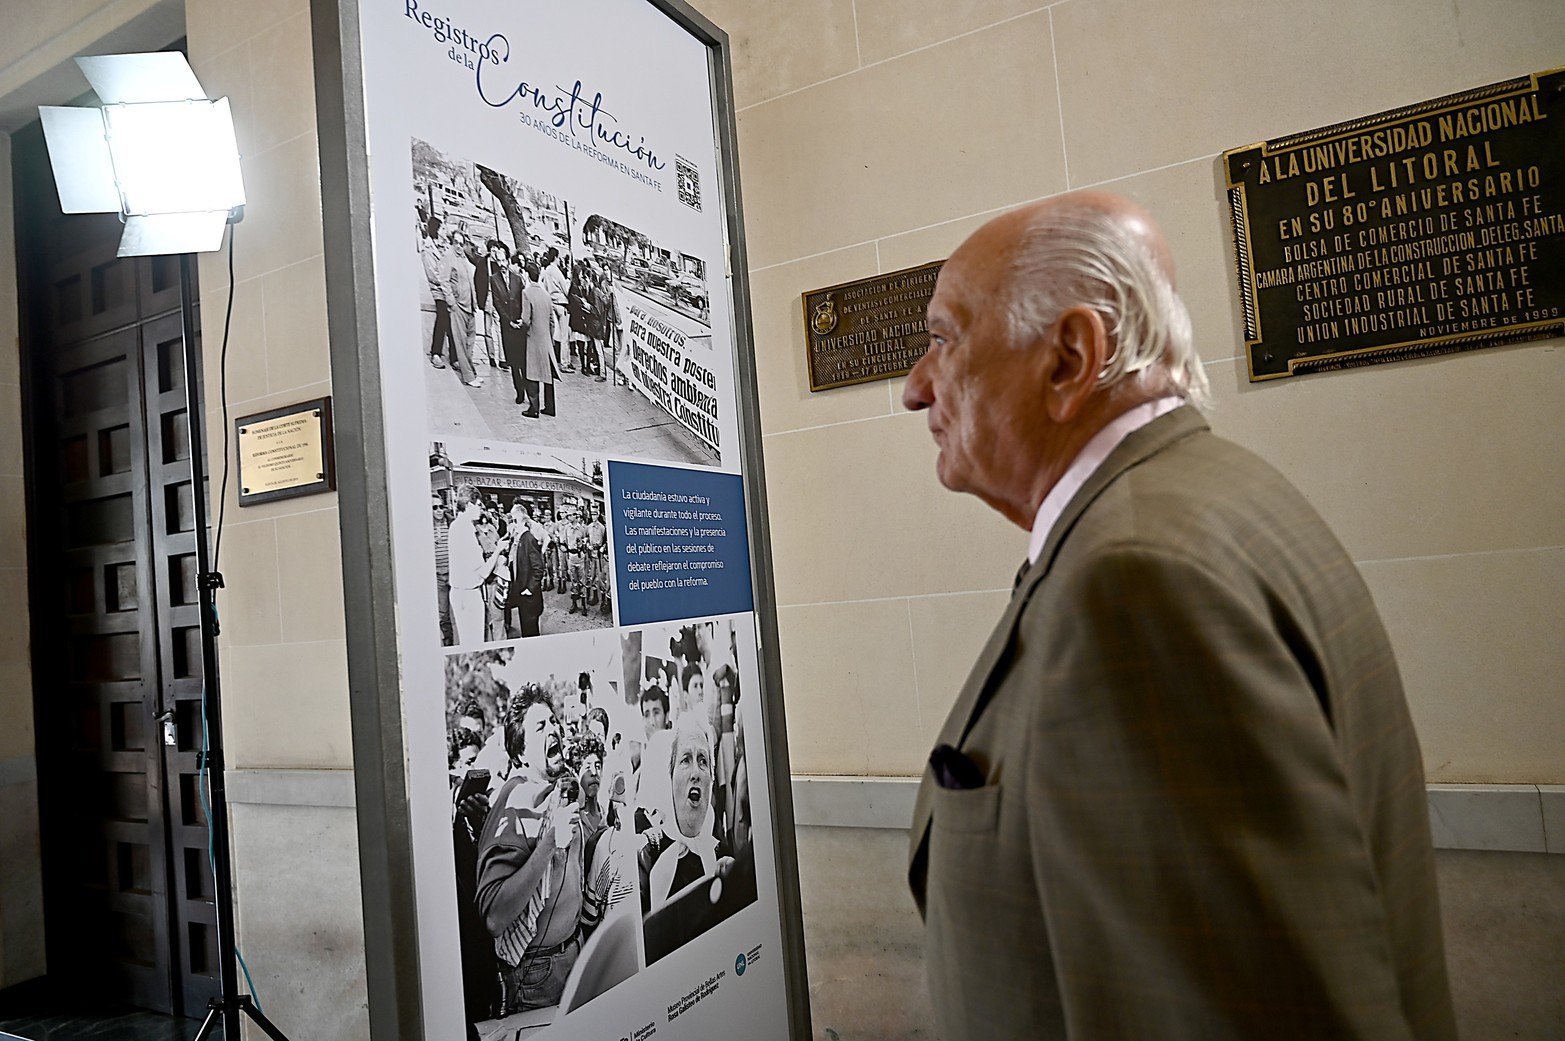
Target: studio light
{"points": [[159, 153]]}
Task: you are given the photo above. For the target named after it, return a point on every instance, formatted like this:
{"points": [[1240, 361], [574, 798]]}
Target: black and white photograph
{"points": [[695, 858], [521, 543], [541, 749], [547, 323]]}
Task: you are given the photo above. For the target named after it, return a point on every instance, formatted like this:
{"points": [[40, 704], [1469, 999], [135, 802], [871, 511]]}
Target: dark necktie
{"points": [[1020, 572]]}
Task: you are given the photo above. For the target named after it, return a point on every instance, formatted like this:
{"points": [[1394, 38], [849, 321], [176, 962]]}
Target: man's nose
{"points": [[918, 392]]}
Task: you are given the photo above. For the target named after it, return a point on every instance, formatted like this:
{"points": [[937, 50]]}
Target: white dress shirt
{"points": [[467, 560], [1086, 464]]}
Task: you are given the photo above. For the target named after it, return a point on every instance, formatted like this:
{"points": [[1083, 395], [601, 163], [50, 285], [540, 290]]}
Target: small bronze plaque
{"points": [[1433, 228], [871, 329], [285, 452]]}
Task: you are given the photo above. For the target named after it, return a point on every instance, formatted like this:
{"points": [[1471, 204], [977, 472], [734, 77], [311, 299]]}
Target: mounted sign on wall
{"points": [[569, 744], [285, 452], [869, 329], [1433, 228]]}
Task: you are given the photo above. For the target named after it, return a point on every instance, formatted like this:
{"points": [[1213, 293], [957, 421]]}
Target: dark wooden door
{"points": [[116, 642]]}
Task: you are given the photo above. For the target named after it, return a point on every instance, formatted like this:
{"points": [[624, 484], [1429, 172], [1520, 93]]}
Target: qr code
{"points": [[689, 182]]}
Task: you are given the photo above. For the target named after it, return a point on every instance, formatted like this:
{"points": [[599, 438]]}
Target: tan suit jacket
{"points": [[1204, 813]]}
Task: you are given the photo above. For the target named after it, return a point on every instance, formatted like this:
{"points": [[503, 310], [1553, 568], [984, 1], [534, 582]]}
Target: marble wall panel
{"points": [[1476, 638], [1144, 85], [778, 48], [895, 147], [857, 513], [285, 705], [301, 922], [888, 28], [1456, 454]]}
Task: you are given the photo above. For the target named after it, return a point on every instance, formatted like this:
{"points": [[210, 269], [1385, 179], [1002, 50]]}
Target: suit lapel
{"points": [[1140, 445], [1135, 449]]}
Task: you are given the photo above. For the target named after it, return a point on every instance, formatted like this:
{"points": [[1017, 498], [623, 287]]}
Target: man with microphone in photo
{"points": [[531, 859]]}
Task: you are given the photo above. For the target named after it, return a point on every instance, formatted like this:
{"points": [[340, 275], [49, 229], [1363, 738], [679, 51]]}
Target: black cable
{"points": [[222, 390], [217, 544]]}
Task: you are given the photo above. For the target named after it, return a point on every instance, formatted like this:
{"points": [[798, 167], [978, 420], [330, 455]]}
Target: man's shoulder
{"points": [[1201, 480], [1204, 500]]}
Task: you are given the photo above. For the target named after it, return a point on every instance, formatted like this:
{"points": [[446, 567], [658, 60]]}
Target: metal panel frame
{"points": [[380, 780]]}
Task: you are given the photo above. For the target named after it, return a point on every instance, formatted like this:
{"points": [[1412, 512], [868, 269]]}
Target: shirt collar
{"points": [[1086, 464]]}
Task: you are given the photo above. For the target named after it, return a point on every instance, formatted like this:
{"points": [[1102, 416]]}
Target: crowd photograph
{"points": [[695, 859], [525, 315], [541, 754], [521, 543]]}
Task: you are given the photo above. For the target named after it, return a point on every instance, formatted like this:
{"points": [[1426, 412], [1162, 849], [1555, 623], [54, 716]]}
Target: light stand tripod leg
{"points": [[248, 1005], [243, 1003]]}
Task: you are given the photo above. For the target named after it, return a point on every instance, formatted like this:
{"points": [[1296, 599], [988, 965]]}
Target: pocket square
{"points": [[952, 769]]}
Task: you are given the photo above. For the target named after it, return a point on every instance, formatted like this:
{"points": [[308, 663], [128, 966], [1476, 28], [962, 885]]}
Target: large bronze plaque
{"points": [[1433, 228], [871, 329]]}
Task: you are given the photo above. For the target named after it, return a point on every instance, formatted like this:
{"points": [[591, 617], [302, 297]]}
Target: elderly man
{"points": [[1180, 796]]}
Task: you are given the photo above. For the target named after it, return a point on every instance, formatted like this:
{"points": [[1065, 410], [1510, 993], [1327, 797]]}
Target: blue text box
{"points": [[681, 546]]}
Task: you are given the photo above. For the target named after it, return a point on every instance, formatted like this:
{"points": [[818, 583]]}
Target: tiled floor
{"points": [[36, 1014]]}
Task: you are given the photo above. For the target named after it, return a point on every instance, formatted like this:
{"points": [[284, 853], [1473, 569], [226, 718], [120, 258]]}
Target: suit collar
{"points": [[1133, 450]]}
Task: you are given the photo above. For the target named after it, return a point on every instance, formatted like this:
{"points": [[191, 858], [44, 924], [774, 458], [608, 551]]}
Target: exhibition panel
{"points": [[582, 783]]}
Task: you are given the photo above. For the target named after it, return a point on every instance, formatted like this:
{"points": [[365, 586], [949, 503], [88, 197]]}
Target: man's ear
{"points": [[1074, 357]]}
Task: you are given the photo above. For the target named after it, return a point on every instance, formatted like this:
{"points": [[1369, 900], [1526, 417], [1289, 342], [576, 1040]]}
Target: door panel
{"points": [[106, 798], [116, 649]]}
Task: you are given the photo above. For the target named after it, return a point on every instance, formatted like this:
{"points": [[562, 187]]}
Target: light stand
{"points": [[229, 1003]]}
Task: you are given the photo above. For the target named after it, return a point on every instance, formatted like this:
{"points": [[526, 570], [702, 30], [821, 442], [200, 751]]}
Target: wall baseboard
{"points": [[1520, 818], [332, 788]]}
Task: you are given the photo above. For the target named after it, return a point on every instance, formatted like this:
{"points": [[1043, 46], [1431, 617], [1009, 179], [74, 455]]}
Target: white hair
{"points": [[1080, 255]]}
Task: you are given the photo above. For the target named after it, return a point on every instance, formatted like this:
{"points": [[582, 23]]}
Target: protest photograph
{"points": [[521, 543], [695, 859], [547, 323], [541, 756]]}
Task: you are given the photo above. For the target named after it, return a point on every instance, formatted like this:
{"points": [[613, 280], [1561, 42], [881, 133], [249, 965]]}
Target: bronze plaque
{"points": [[285, 452], [871, 329], [1433, 228]]}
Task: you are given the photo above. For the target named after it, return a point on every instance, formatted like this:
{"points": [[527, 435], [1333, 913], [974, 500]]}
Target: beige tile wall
{"points": [[285, 665], [877, 134], [283, 650]]}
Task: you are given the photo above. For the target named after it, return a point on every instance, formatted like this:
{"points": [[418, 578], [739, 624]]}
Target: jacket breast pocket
{"points": [[966, 810]]}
